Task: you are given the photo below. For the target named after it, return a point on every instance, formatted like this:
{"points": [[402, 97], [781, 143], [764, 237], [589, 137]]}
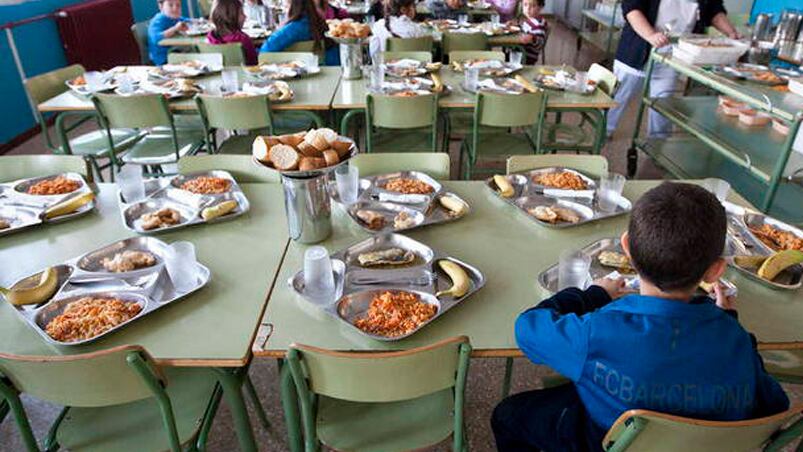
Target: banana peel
{"points": [[749, 261], [44, 286], [68, 206], [437, 86], [461, 283], [526, 84], [779, 262], [504, 185]]}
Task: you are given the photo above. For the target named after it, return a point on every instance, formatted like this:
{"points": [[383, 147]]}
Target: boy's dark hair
{"points": [[676, 232]]}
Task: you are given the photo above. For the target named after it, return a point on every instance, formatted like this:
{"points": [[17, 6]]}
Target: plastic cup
{"points": [[610, 191], [181, 266], [573, 269], [313, 64], [126, 84], [495, 20], [231, 82], [472, 78], [94, 80], [377, 77], [129, 180], [462, 19], [347, 178], [515, 57], [319, 281], [718, 187]]}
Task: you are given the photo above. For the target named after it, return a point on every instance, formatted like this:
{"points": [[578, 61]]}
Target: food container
{"points": [[710, 50], [753, 118], [732, 108], [780, 127]]}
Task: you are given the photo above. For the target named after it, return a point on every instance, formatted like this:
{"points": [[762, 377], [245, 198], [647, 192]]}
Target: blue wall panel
{"points": [[774, 7]]}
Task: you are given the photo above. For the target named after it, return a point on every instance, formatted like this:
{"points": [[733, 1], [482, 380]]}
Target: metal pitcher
{"points": [[309, 213], [351, 61], [761, 27]]}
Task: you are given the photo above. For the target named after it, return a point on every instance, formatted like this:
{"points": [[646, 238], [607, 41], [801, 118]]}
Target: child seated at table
{"points": [[398, 23], [535, 30], [446, 9], [664, 349], [303, 24], [228, 18], [165, 24], [329, 12]]}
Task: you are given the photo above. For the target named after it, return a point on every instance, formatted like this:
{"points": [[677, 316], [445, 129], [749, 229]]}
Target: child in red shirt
{"points": [[228, 18]]}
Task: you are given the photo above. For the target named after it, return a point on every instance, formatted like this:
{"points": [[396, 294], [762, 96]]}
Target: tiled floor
{"points": [[485, 377]]}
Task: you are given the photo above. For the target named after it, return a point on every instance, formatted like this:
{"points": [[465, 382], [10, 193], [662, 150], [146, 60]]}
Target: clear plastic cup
{"points": [[181, 266], [377, 59], [313, 64], [472, 78], [515, 57], [462, 19], [609, 191], [129, 180], [347, 178], [377, 77], [720, 188], [319, 280], [573, 269], [495, 19], [126, 84], [94, 80], [231, 81]]}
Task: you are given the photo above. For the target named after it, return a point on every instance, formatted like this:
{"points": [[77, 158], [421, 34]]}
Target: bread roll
{"points": [[283, 157], [342, 148], [327, 134], [316, 139], [308, 150], [291, 140], [331, 157], [261, 148], [311, 163]]}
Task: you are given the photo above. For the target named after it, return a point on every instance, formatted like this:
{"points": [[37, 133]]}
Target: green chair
{"points": [[115, 399], [13, 167], [462, 55], [140, 32], [785, 365], [402, 123], [241, 167], [382, 401], [92, 145], [160, 146], [591, 165], [205, 6], [436, 164], [643, 430], [422, 44], [425, 57], [452, 42], [251, 113], [212, 59], [232, 53], [504, 112], [301, 46], [284, 57]]}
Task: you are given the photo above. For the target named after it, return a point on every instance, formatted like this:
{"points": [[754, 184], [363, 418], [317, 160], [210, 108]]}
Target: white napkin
{"points": [[405, 62], [560, 193], [251, 88], [631, 282], [495, 64], [403, 199]]}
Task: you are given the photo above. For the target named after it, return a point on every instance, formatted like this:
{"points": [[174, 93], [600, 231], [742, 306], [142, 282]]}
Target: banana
{"points": [[456, 207], [749, 261], [33, 289], [505, 188], [779, 262], [69, 206], [460, 281], [218, 210], [526, 84], [437, 83]]}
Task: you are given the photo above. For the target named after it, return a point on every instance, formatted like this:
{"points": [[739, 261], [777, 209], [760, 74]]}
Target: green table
{"points": [[213, 328], [511, 254]]}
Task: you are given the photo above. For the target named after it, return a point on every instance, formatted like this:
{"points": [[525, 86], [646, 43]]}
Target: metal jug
{"points": [[351, 61], [309, 213]]}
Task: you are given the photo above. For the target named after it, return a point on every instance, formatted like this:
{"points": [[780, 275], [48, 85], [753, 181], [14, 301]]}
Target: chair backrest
{"points": [[205, 6], [785, 365], [285, 57], [591, 165], [219, 112], [13, 167], [462, 55], [436, 164], [365, 377], [395, 112], [421, 44], [140, 32], [241, 167], [232, 52], [50, 84], [510, 110], [212, 59], [605, 79], [463, 41], [301, 46], [88, 380], [134, 111], [425, 57], [643, 430]]}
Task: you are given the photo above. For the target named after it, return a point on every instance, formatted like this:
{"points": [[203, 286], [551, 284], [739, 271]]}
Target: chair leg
{"points": [[209, 417], [507, 378], [51, 443], [15, 405], [252, 393]]}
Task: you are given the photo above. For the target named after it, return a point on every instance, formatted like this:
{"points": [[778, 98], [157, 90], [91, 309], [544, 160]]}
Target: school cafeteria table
{"points": [[213, 328], [510, 250]]}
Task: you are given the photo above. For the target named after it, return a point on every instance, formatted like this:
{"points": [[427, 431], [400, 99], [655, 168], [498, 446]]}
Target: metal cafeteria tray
{"points": [[549, 277], [189, 205], [152, 289], [527, 195], [356, 286], [742, 242], [22, 210]]}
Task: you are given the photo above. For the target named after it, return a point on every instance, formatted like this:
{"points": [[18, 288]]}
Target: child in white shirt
{"points": [[398, 23]]}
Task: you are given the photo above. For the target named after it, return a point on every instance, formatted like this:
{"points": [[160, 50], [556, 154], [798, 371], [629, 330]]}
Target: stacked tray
{"points": [[549, 277], [22, 210], [488, 68], [187, 69], [405, 68], [356, 285], [150, 287], [743, 242], [280, 71], [167, 193], [528, 195], [423, 210]]}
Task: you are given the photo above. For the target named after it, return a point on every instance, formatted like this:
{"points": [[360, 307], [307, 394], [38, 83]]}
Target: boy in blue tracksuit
{"points": [[664, 349], [165, 24]]}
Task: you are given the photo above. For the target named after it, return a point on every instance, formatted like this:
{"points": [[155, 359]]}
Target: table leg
{"points": [[231, 379], [290, 405], [600, 130], [3, 410], [508, 377]]}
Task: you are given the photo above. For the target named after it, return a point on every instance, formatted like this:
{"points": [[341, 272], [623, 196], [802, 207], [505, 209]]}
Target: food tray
{"points": [[499, 85], [528, 194], [425, 209], [489, 68], [109, 83], [151, 288], [355, 286], [749, 72], [280, 71], [23, 210], [548, 279], [742, 242], [700, 50], [188, 204], [181, 70], [405, 68]]}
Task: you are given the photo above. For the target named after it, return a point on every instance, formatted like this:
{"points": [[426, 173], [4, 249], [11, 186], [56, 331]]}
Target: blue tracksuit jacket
{"points": [[293, 32], [689, 359], [159, 23]]}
